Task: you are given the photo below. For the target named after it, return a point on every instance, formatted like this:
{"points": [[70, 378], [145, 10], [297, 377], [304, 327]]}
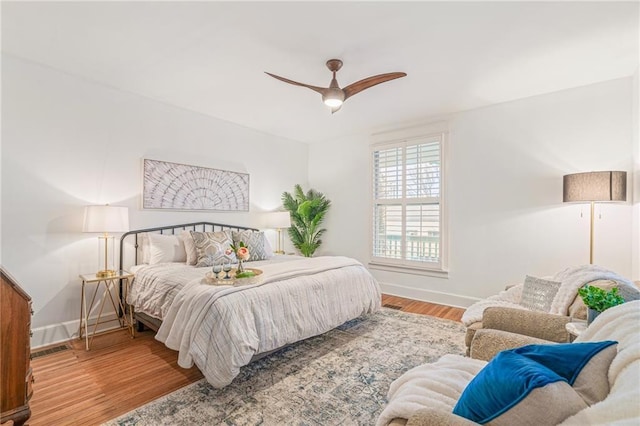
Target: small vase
{"points": [[240, 267], [591, 315]]}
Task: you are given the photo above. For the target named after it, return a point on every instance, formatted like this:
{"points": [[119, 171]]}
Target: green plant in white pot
{"points": [[307, 213], [599, 300]]}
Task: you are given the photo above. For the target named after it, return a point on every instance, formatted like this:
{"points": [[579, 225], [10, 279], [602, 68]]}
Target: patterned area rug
{"points": [[338, 378]]}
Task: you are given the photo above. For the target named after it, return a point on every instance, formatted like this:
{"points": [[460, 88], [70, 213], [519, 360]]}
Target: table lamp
{"points": [[594, 187], [105, 219], [279, 221]]}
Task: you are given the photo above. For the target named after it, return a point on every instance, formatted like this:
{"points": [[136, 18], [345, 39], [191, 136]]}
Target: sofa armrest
{"points": [[434, 417], [530, 323], [487, 343]]}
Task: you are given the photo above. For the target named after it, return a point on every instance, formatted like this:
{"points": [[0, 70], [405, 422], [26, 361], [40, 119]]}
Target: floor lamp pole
{"points": [[591, 237]]}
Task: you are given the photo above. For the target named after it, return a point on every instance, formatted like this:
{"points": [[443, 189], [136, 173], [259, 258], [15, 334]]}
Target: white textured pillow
{"points": [[166, 248], [538, 293], [144, 248], [267, 248], [190, 247]]}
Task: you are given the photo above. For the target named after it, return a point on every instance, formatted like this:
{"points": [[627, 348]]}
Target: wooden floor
{"points": [[119, 374]]}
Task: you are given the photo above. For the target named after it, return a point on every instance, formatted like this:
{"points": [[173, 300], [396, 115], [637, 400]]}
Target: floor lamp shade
{"points": [[105, 219], [279, 221], [594, 187]]}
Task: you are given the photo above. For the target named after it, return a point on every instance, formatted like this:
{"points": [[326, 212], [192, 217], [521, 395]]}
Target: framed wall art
{"points": [[174, 186]]}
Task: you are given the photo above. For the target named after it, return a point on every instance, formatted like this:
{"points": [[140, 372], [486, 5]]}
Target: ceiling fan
{"points": [[333, 96]]}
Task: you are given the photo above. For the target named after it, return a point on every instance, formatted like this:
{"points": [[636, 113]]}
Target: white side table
{"points": [[110, 283], [575, 328]]}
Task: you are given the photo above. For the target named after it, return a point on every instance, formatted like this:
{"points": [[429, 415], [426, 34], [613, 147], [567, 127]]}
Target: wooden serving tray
{"points": [[211, 279]]}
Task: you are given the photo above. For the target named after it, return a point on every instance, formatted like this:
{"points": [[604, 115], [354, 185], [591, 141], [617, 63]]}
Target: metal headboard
{"points": [[171, 230]]}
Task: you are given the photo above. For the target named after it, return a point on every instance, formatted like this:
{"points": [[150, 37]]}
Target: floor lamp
{"points": [[279, 221], [594, 187]]}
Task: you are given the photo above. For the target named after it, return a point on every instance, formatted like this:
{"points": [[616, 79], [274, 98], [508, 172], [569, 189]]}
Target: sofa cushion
{"points": [[520, 386], [538, 293]]}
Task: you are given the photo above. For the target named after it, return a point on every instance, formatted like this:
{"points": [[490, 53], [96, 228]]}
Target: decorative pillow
{"points": [[538, 293], [255, 242], [585, 365], [190, 247], [166, 248], [144, 248], [533, 384], [268, 250], [515, 390], [210, 247]]}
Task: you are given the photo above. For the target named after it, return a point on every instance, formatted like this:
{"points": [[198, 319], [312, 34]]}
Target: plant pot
{"points": [[591, 315]]}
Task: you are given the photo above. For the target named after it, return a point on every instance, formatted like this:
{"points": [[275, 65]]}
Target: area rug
{"points": [[339, 378]]}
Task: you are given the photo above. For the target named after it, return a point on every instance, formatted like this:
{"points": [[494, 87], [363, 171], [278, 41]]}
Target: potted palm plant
{"points": [[307, 214], [598, 300]]}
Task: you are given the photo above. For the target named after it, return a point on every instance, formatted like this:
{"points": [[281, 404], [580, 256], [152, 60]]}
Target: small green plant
{"points": [[598, 299], [307, 213]]}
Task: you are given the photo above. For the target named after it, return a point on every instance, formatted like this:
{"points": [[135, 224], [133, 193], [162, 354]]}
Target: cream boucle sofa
{"points": [[621, 406]]}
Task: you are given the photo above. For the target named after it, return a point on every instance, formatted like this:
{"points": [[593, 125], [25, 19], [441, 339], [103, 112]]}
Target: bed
{"points": [[221, 328]]}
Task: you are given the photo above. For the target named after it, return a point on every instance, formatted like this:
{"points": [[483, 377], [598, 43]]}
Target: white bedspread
{"points": [[220, 328]]}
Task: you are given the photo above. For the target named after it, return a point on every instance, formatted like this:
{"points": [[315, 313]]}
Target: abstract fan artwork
{"points": [[182, 187]]}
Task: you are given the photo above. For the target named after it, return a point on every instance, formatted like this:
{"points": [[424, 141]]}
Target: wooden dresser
{"points": [[15, 357]]}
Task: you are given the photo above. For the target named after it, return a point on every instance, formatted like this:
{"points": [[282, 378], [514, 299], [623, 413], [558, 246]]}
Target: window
{"points": [[407, 203]]}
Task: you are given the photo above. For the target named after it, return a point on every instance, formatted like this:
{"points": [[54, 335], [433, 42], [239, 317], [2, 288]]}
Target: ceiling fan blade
{"points": [[320, 90], [361, 85]]}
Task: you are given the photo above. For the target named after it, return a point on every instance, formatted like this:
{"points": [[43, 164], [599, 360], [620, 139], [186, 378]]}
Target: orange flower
{"points": [[243, 253]]}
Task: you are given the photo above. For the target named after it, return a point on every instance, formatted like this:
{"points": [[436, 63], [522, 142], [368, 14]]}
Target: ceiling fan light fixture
{"points": [[333, 97], [332, 102]]}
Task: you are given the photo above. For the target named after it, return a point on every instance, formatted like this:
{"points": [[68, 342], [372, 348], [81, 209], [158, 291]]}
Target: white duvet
{"points": [[220, 328]]}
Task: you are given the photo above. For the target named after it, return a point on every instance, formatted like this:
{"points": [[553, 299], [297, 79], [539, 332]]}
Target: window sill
{"points": [[413, 270]]}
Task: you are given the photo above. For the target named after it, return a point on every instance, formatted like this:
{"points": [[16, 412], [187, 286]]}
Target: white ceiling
{"points": [[210, 56]]}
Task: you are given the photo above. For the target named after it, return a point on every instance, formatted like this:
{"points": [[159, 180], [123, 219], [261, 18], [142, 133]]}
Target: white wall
{"points": [[505, 169], [67, 143], [635, 229]]}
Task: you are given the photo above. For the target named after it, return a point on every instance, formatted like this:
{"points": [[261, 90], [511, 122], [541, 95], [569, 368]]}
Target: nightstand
{"points": [[575, 328], [109, 283]]}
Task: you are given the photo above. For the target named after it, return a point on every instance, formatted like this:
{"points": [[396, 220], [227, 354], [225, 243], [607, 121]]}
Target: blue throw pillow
{"points": [[565, 359], [512, 376]]}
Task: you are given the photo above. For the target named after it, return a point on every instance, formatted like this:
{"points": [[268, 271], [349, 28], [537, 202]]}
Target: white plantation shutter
{"points": [[407, 204]]}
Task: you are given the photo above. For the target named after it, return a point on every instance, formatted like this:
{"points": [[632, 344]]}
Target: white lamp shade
{"points": [[106, 219], [278, 220]]}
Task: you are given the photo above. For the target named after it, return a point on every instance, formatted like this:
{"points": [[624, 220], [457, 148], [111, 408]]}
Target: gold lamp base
{"points": [[279, 243], [106, 273]]}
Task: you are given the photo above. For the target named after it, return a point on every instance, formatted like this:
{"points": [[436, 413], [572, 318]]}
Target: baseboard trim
{"points": [[431, 296], [63, 332]]}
